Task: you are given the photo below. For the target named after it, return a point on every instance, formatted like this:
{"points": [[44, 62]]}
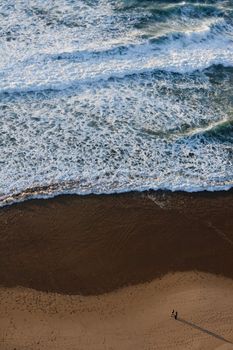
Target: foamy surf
{"points": [[114, 96]]}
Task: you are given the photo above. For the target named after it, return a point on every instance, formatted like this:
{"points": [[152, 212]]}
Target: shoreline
{"points": [[40, 193]]}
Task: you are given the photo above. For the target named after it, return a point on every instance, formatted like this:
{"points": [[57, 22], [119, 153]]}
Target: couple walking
{"points": [[174, 314]]}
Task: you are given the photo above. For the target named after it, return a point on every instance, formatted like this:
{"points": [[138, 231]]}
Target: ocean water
{"points": [[105, 96]]}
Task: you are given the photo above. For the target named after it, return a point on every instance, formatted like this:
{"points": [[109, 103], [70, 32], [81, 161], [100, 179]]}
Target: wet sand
{"points": [[148, 253]]}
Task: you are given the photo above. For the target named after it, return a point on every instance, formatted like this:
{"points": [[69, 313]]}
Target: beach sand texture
{"points": [[105, 272]]}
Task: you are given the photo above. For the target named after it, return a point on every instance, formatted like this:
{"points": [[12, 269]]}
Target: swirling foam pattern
{"points": [[103, 96]]}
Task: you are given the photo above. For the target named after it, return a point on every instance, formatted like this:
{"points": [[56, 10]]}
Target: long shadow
{"points": [[193, 325]]}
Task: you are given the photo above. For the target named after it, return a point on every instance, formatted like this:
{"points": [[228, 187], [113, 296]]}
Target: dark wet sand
{"points": [[96, 244]]}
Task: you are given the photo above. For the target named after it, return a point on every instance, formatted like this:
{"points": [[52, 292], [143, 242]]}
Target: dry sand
{"points": [[136, 317], [107, 271]]}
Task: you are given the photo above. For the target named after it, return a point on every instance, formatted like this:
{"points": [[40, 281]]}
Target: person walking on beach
{"points": [[174, 314]]}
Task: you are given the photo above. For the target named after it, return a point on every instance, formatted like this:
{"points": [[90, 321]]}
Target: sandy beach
{"points": [[116, 175], [105, 272]]}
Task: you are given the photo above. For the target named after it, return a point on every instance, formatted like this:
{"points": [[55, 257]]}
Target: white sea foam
{"points": [[191, 52], [121, 117], [58, 59], [121, 134]]}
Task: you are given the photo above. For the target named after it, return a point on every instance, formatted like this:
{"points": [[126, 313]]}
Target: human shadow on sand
{"points": [[193, 325]]}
